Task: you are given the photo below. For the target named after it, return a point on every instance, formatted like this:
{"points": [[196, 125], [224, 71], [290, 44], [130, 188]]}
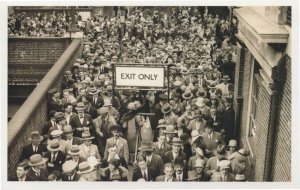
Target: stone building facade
{"points": [[263, 90]]}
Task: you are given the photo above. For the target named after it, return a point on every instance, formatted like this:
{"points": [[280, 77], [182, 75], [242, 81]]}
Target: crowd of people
{"points": [[96, 133]]}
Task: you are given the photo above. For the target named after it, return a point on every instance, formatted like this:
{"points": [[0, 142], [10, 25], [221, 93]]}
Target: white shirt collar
{"points": [[181, 175], [149, 157]]}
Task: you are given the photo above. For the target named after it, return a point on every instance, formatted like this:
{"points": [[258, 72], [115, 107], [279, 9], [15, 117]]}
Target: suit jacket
{"points": [[28, 151], [192, 162], [60, 159], [168, 156], [92, 152], [47, 127], [162, 178], [104, 71], [158, 114], [99, 103], [228, 123], [211, 165], [137, 174], [192, 126], [214, 142], [66, 178], [31, 175], [106, 176], [160, 152], [87, 122], [93, 112], [216, 122], [158, 164], [53, 105], [15, 178], [184, 175], [121, 159], [122, 148], [104, 127], [230, 177]]}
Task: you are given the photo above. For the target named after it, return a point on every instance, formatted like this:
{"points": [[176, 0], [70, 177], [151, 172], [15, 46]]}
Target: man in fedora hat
{"points": [[69, 171], [102, 126], [37, 172], [112, 110], [171, 155], [122, 145], [153, 160], [187, 96], [181, 170], [197, 173], [54, 102], [86, 172], [170, 132], [161, 146], [35, 147], [60, 121], [57, 134], [211, 138], [89, 109], [228, 120], [69, 138], [169, 116], [198, 123], [94, 98], [202, 107], [88, 149], [212, 163], [55, 156], [238, 161], [82, 121], [115, 102]]}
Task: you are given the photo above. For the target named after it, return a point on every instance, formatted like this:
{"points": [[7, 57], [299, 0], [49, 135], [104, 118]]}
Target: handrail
{"points": [[24, 114]]}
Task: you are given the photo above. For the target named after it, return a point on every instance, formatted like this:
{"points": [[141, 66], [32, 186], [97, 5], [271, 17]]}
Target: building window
{"points": [[254, 100]]}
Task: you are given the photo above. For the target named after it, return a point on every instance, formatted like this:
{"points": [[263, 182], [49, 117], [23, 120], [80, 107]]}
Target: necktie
{"points": [[70, 178], [53, 158], [145, 175], [95, 100], [179, 178], [37, 174], [36, 148]]}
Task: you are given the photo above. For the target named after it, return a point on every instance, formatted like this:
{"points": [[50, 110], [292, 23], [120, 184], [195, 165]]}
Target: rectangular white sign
{"points": [[139, 76]]}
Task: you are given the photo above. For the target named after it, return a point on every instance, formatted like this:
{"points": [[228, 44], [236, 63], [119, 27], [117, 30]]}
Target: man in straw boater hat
{"points": [[153, 160], [131, 123], [212, 163], [197, 173], [69, 171], [88, 149], [224, 170], [187, 96], [122, 145], [82, 121], [74, 155], [86, 172], [169, 116], [35, 147], [170, 156], [37, 172], [55, 156], [102, 125], [223, 86]]}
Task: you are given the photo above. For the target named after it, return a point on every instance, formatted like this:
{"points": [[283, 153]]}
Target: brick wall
{"points": [[262, 123], [29, 59], [33, 113], [282, 148]]}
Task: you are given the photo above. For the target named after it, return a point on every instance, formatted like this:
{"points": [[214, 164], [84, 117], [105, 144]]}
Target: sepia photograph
{"points": [[149, 94]]}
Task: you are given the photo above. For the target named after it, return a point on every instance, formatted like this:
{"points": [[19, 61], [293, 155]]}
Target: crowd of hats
{"points": [[186, 37]]}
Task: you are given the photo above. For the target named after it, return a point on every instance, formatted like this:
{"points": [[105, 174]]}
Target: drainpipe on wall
{"points": [[278, 76]]}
